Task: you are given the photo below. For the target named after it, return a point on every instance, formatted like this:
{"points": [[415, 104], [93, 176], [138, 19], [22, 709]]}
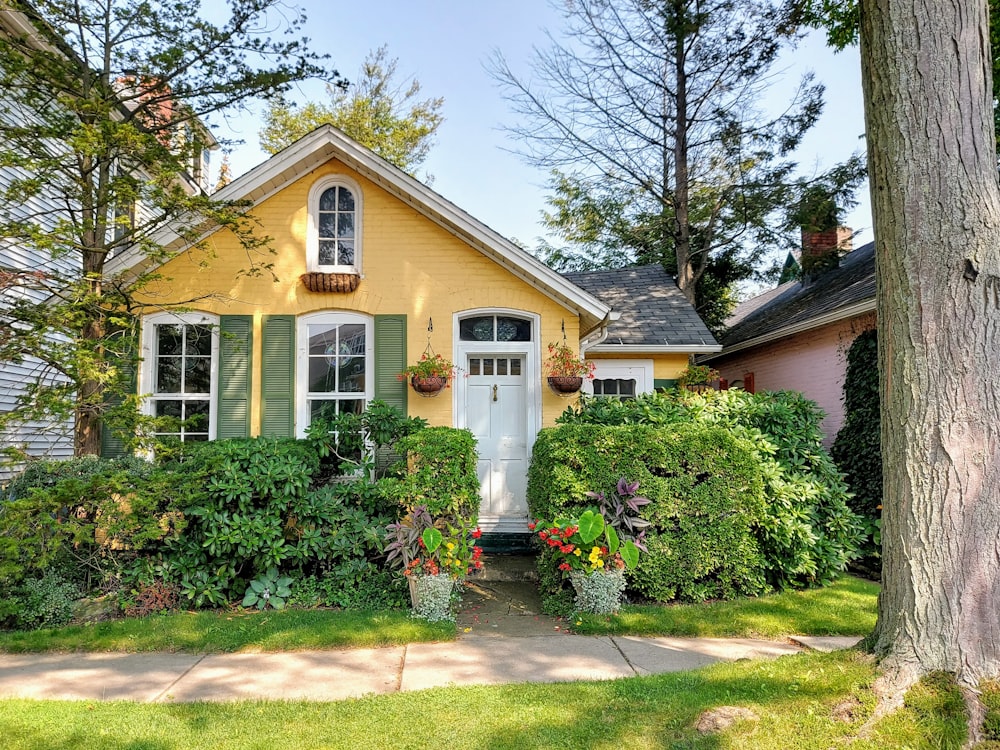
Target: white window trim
{"points": [[621, 369], [312, 230], [147, 367], [302, 361]]}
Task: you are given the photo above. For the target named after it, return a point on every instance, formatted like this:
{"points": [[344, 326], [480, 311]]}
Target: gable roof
{"points": [[327, 142], [655, 315], [839, 293]]}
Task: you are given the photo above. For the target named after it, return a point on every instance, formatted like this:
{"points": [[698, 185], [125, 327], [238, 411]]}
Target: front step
{"points": [[506, 543], [508, 568]]}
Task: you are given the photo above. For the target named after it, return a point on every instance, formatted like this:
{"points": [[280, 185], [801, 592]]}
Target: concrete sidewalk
{"points": [[335, 675]]}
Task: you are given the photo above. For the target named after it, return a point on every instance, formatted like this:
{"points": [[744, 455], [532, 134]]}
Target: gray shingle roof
{"points": [[653, 310], [792, 303]]}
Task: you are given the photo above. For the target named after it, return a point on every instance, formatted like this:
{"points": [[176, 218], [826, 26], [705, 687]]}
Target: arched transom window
{"points": [[334, 242]]}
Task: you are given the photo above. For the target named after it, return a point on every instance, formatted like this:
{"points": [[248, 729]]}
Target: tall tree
{"points": [[102, 130], [655, 108], [936, 203], [375, 110]]}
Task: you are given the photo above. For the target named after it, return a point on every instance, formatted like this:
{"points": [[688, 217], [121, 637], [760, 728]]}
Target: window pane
{"points": [[474, 366], [328, 252], [328, 200], [345, 227], [346, 253], [323, 338], [352, 406], [346, 200], [327, 225], [502, 366], [197, 375], [322, 410], [170, 339], [322, 375], [626, 387], [168, 408], [476, 329], [515, 367], [198, 340], [352, 338], [168, 375], [513, 329], [488, 366]]}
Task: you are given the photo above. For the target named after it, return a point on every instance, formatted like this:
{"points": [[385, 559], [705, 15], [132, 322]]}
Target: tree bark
{"points": [[936, 205]]}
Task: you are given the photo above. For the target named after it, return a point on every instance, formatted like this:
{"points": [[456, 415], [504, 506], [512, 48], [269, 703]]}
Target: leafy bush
{"points": [[87, 518], [43, 602], [706, 494], [808, 533], [351, 585], [152, 598], [441, 474], [857, 448]]}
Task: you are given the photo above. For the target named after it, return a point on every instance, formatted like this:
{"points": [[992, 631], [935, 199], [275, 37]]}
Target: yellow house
{"points": [[372, 269]]}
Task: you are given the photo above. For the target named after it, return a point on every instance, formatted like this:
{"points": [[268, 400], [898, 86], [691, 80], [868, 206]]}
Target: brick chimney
{"points": [[821, 251]]}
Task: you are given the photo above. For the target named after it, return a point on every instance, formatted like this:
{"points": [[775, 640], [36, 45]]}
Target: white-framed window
{"points": [[180, 364], [334, 366], [333, 242], [620, 378]]}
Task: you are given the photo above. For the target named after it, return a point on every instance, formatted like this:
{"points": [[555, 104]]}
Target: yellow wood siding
{"points": [[411, 266]]}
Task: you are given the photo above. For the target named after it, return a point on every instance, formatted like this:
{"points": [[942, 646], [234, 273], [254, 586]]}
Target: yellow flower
{"points": [[577, 552], [450, 545]]}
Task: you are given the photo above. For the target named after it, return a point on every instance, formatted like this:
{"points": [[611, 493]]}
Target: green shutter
{"points": [[112, 445], [235, 357], [277, 376], [390, 359]]}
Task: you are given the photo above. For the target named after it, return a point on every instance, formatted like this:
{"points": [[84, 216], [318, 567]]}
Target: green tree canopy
{"points": [[386, 116], [103, 126]]}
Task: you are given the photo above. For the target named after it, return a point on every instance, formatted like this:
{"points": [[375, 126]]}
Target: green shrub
{"points": [[808, 533], [88, 519], [857, 447], [706, 495], [44, 602], [352, 585], [441, 474]]}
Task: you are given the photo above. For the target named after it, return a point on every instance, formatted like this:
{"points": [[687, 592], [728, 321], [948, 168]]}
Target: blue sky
{"points": [[445, 44]]}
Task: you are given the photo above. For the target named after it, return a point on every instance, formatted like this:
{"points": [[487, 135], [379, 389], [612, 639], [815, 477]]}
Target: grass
{"points": [[846, 607], [803, 702], [227, 632]]}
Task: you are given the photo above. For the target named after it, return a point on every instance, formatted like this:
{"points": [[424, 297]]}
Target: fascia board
{"points": [[836, 316]]}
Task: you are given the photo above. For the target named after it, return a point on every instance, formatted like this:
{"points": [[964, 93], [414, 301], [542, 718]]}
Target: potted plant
{"points": [[592, 556], [430, 375], [565, 369], [698, 378], [434, 554]]}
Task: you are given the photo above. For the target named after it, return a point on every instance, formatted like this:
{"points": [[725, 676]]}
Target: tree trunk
{"points": [[936, 205]]}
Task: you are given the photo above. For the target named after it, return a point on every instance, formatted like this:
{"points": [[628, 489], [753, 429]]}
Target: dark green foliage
{"points": [[706, 491], [857, 447], [808, 533], [442, 473], [353, 585], [43, 602], [86, 517]]}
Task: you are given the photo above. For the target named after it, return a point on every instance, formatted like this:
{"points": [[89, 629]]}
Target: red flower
{"points": [[532, 525], [554, 530], [563, 566], [477, 533], [543, 535], [553, 542], [478, 563], [567, 549]]}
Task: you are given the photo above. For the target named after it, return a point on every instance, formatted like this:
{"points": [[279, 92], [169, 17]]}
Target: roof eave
{"points": [[841, 313], [654, 348]]}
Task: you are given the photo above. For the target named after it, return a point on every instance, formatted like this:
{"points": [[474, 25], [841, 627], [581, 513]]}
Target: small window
{"points": [[180, 360], [615, 388], [494, 328], [333, 244]]}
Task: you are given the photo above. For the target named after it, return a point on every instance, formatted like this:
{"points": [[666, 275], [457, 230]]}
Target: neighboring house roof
{"points": [[655, 315], [327, 142], [839, 293]]}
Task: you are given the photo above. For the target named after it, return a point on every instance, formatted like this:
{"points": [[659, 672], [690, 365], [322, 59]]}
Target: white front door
{"points": [[495, 411]]}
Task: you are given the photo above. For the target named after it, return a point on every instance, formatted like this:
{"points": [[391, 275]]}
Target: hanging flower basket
{"points": [[428, 386], [341, 283], [565, 385]]}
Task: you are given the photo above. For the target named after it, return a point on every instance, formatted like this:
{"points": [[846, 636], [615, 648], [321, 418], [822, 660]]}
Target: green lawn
{"points": [[803, 702], [225, 632], [846, 607]]}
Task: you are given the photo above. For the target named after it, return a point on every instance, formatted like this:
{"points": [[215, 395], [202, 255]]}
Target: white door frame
{"points": [[532, 376]]}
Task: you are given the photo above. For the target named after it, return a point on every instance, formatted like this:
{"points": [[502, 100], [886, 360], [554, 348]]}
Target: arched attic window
{"points": [[333, 244]]}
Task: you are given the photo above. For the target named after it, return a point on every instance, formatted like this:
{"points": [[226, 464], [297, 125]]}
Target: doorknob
{"points": [[494, 392]]}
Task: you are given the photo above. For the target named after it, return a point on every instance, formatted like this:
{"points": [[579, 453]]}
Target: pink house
{"points": [[796, 336]]}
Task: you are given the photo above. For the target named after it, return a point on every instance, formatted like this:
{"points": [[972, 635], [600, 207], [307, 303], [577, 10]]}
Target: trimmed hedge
{"points": [[707, 496]]}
